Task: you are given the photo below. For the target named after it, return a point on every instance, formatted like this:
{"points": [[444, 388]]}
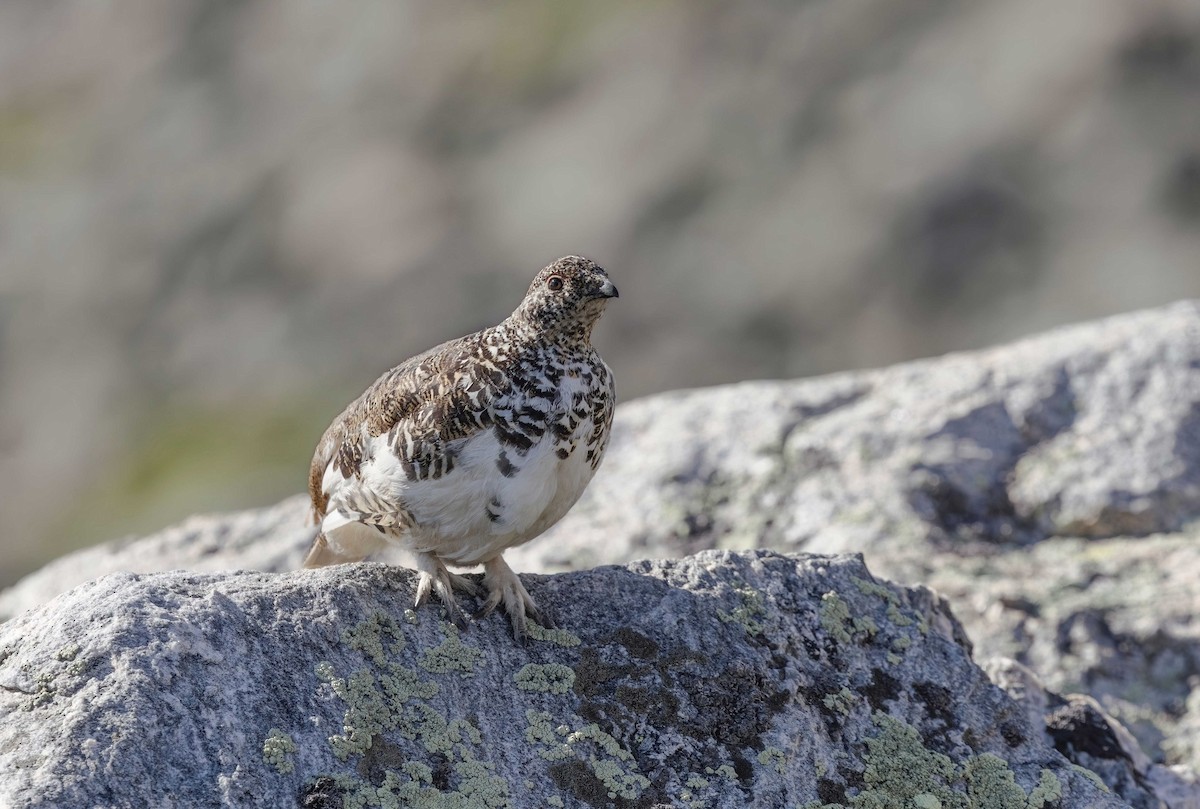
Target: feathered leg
{"points": [[435, 578]]}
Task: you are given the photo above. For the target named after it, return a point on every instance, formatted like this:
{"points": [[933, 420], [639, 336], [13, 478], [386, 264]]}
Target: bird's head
{"points": [[567, 298]]}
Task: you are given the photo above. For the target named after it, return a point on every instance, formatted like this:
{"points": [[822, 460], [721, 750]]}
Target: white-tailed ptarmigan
{"points": [[473, 447]]}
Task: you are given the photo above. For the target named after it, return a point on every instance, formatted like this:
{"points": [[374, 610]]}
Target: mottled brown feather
{"points": [[504, 378], [424, 395]]}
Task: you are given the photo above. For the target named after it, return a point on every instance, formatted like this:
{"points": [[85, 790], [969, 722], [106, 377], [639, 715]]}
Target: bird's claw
{"points": [[456, 617], [542, 617], [433, 577], [519, 630], [424, 588], [464, 585], [505, 588]]}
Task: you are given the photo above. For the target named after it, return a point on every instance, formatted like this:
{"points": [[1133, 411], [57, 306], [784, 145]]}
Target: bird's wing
{"points": [[419, 408], [604, 396]]}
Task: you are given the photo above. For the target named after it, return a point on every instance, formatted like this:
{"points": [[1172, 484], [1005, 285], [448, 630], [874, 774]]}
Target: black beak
{"points": [[608, 290]]}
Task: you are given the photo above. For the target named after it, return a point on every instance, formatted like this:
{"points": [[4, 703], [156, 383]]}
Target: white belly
{"points": [[476, 511]]}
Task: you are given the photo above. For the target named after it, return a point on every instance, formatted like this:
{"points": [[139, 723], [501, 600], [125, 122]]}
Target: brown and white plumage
{"points": [[473, 447]]}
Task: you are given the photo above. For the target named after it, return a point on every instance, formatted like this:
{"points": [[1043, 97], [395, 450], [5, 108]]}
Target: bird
{"points": [[476, 446]]}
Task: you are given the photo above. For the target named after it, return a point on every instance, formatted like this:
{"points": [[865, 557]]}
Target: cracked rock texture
{"points": [[1050, 489], [725, 679]]}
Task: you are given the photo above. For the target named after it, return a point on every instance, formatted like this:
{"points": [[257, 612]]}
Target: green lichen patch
{"points": [[899, 646], [324, 671], [417, 771], [621, 782], [902, 772], [1047, 793], [68, 652], [900, 768], [539, 728], [375, 703], [774, 758], [277, 750], [608, 761], [477, 787], [44, 691], [838, 622], [367, 713], [749, 613], [726, 771], [841, 702], [402, 685], [871, 588], [561, 637], [451, 654], [866, 625], [378, 637], [894, 614], [897, 616], [393, 699], [835, 617], [990, 783], [694, 784], [553, 678], [1091, 776]]}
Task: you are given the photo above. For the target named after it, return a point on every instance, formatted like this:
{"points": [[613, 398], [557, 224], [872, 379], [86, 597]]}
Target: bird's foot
{"points": [[464, 585], [504, 587], [435, 578]]}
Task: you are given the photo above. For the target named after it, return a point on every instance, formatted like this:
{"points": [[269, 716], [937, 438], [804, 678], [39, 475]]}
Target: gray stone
{"points": [[267, 539], [752, 679], [1081, 730]]}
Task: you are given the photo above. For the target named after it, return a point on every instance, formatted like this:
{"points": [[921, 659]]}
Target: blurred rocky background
{"points": [[220, 220]]}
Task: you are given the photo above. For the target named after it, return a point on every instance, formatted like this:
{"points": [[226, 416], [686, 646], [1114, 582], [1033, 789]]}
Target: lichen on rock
{"points": [[650, 699]]}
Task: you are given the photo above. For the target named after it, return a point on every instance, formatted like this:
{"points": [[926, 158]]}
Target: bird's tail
{"points": [[320, 554]]}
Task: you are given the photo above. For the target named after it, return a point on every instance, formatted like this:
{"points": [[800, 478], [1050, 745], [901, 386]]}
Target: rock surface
{"points": [[1050, 489], [270, 539], [752, 679]]}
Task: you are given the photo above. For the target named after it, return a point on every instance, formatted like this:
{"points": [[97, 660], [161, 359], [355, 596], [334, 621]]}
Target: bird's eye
{"points": [[555, 283]]}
